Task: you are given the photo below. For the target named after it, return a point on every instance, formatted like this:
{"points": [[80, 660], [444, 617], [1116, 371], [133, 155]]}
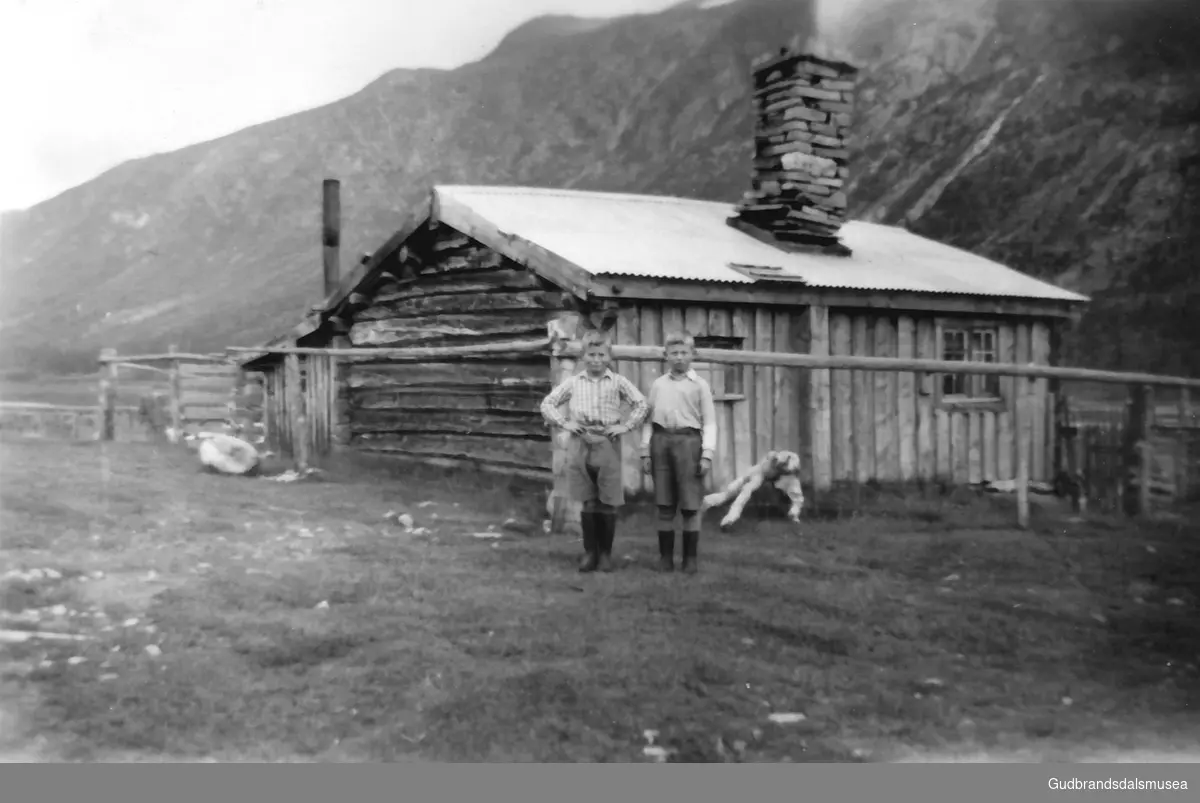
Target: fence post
{"points": [[108, 394], [1020, 426], [231, 402], [1079, 472], [564, 512], [1145, 395], [820, 413], [1132, 447], [174, 387]]}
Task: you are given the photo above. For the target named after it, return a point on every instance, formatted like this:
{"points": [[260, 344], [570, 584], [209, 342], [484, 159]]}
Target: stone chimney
{"points": [[802, 117]]}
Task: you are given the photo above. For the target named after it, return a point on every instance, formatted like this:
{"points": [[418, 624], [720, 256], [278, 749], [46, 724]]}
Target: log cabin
{"points": [[488, 269]]}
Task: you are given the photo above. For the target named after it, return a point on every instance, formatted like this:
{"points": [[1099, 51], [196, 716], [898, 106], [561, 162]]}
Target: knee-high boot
{"points": [[691, 545], [607, 524], [589, 522]]}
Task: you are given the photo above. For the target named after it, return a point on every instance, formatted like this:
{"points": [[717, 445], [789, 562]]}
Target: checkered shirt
{"points": [[595, 403]]}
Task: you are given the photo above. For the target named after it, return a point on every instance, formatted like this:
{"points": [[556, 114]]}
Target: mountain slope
{"points": [[1062, 137]]}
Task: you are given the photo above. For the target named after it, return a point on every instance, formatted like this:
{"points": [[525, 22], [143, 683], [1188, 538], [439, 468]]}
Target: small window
{"points": [[724, 379], [970, 344]]}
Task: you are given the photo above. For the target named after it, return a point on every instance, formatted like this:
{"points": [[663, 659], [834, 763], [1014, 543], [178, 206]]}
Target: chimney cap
{"points": [[786, 57]]}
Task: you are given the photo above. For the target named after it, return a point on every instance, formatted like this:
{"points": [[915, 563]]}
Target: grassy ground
{"points": [[295, 622]]}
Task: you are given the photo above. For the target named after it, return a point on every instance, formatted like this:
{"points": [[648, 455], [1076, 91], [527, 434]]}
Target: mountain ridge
{"points": [[1086, 175]]}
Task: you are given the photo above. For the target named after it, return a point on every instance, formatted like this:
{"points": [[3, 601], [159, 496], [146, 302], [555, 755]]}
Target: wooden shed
{"points": [[491, 268]]}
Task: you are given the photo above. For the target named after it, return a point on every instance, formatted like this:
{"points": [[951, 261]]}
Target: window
{"points": [[970, 343], [724, 379]]}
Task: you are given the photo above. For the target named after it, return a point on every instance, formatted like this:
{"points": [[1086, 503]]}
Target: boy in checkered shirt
{"points": [[593, 398]]}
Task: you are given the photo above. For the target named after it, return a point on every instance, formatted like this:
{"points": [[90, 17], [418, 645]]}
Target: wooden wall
{"points": [[277, 417], [482, 412], [891, 427], [847, 425], [768, 416]]}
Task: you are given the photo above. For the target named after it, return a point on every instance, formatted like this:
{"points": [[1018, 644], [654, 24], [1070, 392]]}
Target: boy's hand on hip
{"points": [[574, 427], [647, 465], [615, 430], [705, 467]]}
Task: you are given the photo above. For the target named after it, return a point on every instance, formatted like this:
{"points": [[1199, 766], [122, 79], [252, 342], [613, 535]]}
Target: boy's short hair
{"points": [[680, 338], [594, 337]]}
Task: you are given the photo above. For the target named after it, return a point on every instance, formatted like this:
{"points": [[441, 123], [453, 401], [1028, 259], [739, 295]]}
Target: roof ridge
{"points": [[514, 189]]}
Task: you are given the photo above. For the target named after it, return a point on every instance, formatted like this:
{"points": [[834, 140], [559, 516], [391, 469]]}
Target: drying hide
{"points": [[225, 454], [780, 468]]}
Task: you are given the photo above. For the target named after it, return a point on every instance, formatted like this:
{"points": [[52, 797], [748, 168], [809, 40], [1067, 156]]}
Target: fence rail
{"points": [[110, 356], [737, 357], [70, 422], [1140, 412]]}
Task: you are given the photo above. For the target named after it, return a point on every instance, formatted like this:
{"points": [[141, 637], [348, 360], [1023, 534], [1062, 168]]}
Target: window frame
{"points": [[729, 371], [985, 392]]}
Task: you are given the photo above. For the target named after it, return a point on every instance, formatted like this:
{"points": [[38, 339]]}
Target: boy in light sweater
{"points": [[678, 441]]}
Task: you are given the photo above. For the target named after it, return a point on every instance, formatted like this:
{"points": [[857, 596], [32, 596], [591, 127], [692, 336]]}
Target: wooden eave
{"points": [[792, 294], [545, 263]]}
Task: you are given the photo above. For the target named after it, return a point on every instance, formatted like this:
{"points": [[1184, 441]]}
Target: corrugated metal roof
{"points": [[613, 234]]}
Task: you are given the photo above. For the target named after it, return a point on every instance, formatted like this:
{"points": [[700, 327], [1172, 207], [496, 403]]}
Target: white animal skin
{"points": [[781, 468], [226, 454]]}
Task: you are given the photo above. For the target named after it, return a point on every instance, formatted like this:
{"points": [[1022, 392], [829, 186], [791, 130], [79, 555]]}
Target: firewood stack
{"points": [[802, 108]]}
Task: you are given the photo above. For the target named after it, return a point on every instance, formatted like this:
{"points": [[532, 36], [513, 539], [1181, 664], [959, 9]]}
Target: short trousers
{"points": [[594, 471], [675, 457]]}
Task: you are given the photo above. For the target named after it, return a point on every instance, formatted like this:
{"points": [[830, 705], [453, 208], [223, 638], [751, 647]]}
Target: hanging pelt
{"points": [[780, 468], [225, 454]]}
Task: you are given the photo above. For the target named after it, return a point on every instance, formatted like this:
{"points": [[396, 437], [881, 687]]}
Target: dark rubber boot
{"points": [[588, 521], [607, 531], [666, 550], [691, 544]]}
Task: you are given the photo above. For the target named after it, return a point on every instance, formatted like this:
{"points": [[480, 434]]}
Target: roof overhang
{"points": [[796, 294]]}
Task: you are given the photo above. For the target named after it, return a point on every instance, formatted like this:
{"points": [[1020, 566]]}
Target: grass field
{"points": [[294, 622]]}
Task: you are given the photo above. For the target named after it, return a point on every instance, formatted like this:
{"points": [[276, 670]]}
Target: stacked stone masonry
{"points": [[803, 111]]}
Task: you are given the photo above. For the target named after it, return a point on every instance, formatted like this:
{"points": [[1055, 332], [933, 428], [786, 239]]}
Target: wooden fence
{"points": [[25, 420], [199, 392], [1094, 438], [1135, 455], [187, 392]]}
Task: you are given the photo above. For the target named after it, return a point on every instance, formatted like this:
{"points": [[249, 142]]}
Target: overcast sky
{"points": [[88, 84]]}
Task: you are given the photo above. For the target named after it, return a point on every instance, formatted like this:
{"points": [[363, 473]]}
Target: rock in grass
{"points": [[786, 718], [520, 527]]}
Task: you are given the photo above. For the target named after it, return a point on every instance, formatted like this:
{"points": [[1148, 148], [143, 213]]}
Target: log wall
{"points": [[481, 412]]}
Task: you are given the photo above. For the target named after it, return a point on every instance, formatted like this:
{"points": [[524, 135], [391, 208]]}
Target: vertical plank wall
{"points": [[771, 415], [887, 426]]}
